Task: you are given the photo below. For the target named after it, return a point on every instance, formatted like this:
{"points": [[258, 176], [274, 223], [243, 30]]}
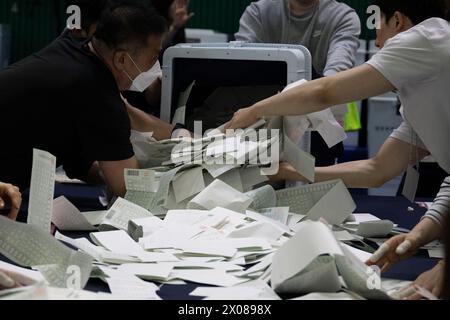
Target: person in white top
{"points": [[415, 61]]}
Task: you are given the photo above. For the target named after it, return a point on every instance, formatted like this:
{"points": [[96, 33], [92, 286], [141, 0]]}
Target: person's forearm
{"points": [[308, 98], [168, 38], [143, 122], [352, 85], [427, 230], [440, 207], [357, 174]]}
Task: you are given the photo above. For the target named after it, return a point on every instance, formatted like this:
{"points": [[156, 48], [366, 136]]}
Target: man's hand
{"points": [[180, 13], [242, 119], [7, 281], [432, 280], [10, 194], [398, 248]]}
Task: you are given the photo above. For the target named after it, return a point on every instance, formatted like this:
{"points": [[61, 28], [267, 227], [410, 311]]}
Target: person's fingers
{"points": [[415, 296], [6, 281], [16, 201], [386, 267], [436, 291], [380, 253], [191, 15], [403, 248]]}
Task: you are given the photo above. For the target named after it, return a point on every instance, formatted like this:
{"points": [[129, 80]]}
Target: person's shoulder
{"points": [[337, 7], [339, 12]]}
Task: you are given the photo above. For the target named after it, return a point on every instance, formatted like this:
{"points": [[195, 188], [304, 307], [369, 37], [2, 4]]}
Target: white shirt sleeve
{"points": [[407, 58], [406, 134], [441, 205]]}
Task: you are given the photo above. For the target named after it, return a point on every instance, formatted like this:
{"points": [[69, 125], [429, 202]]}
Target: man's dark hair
{"points": [[91, 11], [163, 8], [128, 23], [416, 10]]}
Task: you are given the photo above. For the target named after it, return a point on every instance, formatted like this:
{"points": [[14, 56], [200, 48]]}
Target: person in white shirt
{"points": [[415, 61]]}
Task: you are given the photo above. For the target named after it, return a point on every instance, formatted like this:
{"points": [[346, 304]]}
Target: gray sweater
{"points": [[330, 31]]}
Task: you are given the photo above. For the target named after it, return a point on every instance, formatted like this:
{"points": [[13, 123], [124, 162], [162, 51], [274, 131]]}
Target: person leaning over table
{"points": [[414, 59], [66, 98], [140, 121]]}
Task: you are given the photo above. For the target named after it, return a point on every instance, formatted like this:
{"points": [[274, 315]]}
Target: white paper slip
{"points": [[188, 183], [264, 197], [362, 217], [148, 257], [216, 170], [343, 235], [265, 263], [251, 177], [260, 230], [68, 218], [329, 200], [30, 246], [243, 244], [210, 277], [325, 123], [144, 227], [201, 248], [362, 256], [132, 288], [141, 180], [294, 256], [329, 296], [279, 214], [259, 217], [253, 290], [122, 212], [95, 218], [148, 271], [117, 241], [303, 162], [42, 190], [219, 194], [437, 253], [233, 179]]}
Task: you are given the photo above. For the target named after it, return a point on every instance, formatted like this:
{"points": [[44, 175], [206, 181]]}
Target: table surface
{"points": [[396, 209]]}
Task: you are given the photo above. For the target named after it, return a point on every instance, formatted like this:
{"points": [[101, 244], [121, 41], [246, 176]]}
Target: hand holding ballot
{"points": [[10, 195], [243, 118]]}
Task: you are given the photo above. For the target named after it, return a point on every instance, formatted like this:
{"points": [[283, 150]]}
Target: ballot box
{"points": [[224, 77]]}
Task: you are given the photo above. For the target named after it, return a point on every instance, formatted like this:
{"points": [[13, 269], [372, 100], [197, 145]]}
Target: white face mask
{"points": [[144, 79]]}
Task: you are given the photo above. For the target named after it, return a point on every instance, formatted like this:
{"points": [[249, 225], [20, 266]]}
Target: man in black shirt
{"points": [[66, 98]]}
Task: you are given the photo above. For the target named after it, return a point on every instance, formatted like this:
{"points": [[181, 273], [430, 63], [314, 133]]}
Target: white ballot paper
{"points": [[42, 190], [117, 241], [180, 113], [67, 217], [264, 197], [141, 180], [295, 127], [220, 194], [188, 183], [30, 246], [122, 212], [328, 200], [313, 260], [253, 290]]}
